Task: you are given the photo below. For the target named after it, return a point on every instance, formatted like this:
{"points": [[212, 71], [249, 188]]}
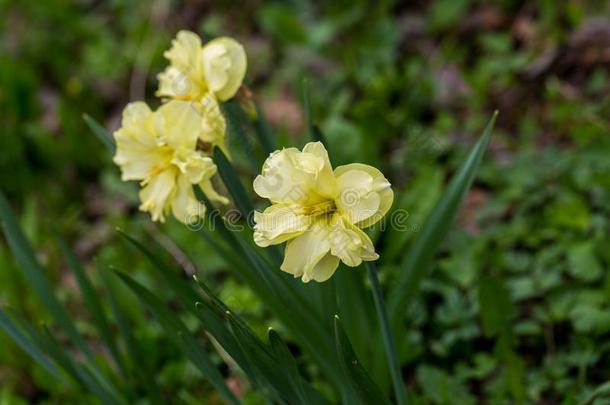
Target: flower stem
{"points": [[388, 340]]}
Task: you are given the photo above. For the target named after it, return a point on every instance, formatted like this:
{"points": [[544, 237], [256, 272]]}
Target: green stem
{"points": [[388, 340]]}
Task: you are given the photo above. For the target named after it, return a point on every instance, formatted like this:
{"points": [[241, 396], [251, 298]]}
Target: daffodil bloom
{"points": [[161, 149], [196, 71], [318, 211]]}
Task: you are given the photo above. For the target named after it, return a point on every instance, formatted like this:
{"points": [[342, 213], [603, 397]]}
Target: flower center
{"points": [[324, 207]]}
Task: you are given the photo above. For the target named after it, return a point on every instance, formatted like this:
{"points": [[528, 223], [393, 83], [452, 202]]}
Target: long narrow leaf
{"points": [[419, 259], [101, 133], [263, 131], [181, 336], [35, 275], [93, 304], [91, 378], [234, 185], [235, 121], [139, 363], [27, 345], [189, 297], [367, 391]]}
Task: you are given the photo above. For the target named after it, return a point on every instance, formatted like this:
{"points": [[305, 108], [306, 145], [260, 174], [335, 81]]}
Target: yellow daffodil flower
{"points": [[197, 70], [318, 211], [161, 149]]}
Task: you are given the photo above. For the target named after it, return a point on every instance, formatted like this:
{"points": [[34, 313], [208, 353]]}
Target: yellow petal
{"points": [[224, 66], [326, 184], [137, 150], [155, 194], [174, 83], [304, 254], [350, 243], [213, 123], [277, 224], [208, 189], [211, 193], [193, 165], [185, 53], [291, 176], [323, 270], [179, 124], [365, 195], [185, 206]]}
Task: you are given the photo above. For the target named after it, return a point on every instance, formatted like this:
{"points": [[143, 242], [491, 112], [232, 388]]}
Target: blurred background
{"points": [[406, 86]]}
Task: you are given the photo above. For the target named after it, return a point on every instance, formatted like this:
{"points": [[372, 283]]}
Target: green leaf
{"points": [[139, 363], [288, 365], [35, 275], [27, 345], [235, 122], [93, 303], [601, 391], [306, 100], [315, 133], [101, 133], [496, 306], [231, 180], [182, 337], [386, 334], [263, 131], [366, 389], [88, 375], [83, 374], [418, 261], [442, 388], [189, 297]]}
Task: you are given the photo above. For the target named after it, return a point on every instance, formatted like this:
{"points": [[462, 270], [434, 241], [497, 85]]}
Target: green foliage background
{"points": [[518, 305]]}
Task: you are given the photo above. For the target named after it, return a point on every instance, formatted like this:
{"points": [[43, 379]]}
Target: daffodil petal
{"points": [[185, 53], [304, 252], [155, 194], [210, 192], [185, 206], [291, 176], [179, 123], [356, 189], [213, 123], [137, 152], [326, 184], [323, 270], [277, 224], [350, 243], [356, 197], [224, 66], [174, 83]]}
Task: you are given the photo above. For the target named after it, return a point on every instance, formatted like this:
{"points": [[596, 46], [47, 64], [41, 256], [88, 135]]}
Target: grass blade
{"points": [[386, 334], [366, 390], [307, 107], [189, 298], [235, 122], [35, 275], [231, 180], [181, 336], [101, 132], [419, 259], [140, 365], [92, 303], [263, 131], [21, 340]]}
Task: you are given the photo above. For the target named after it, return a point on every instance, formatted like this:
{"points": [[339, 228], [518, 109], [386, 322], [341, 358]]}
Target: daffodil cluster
{"points": [[168, 150], [318, 211]]}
